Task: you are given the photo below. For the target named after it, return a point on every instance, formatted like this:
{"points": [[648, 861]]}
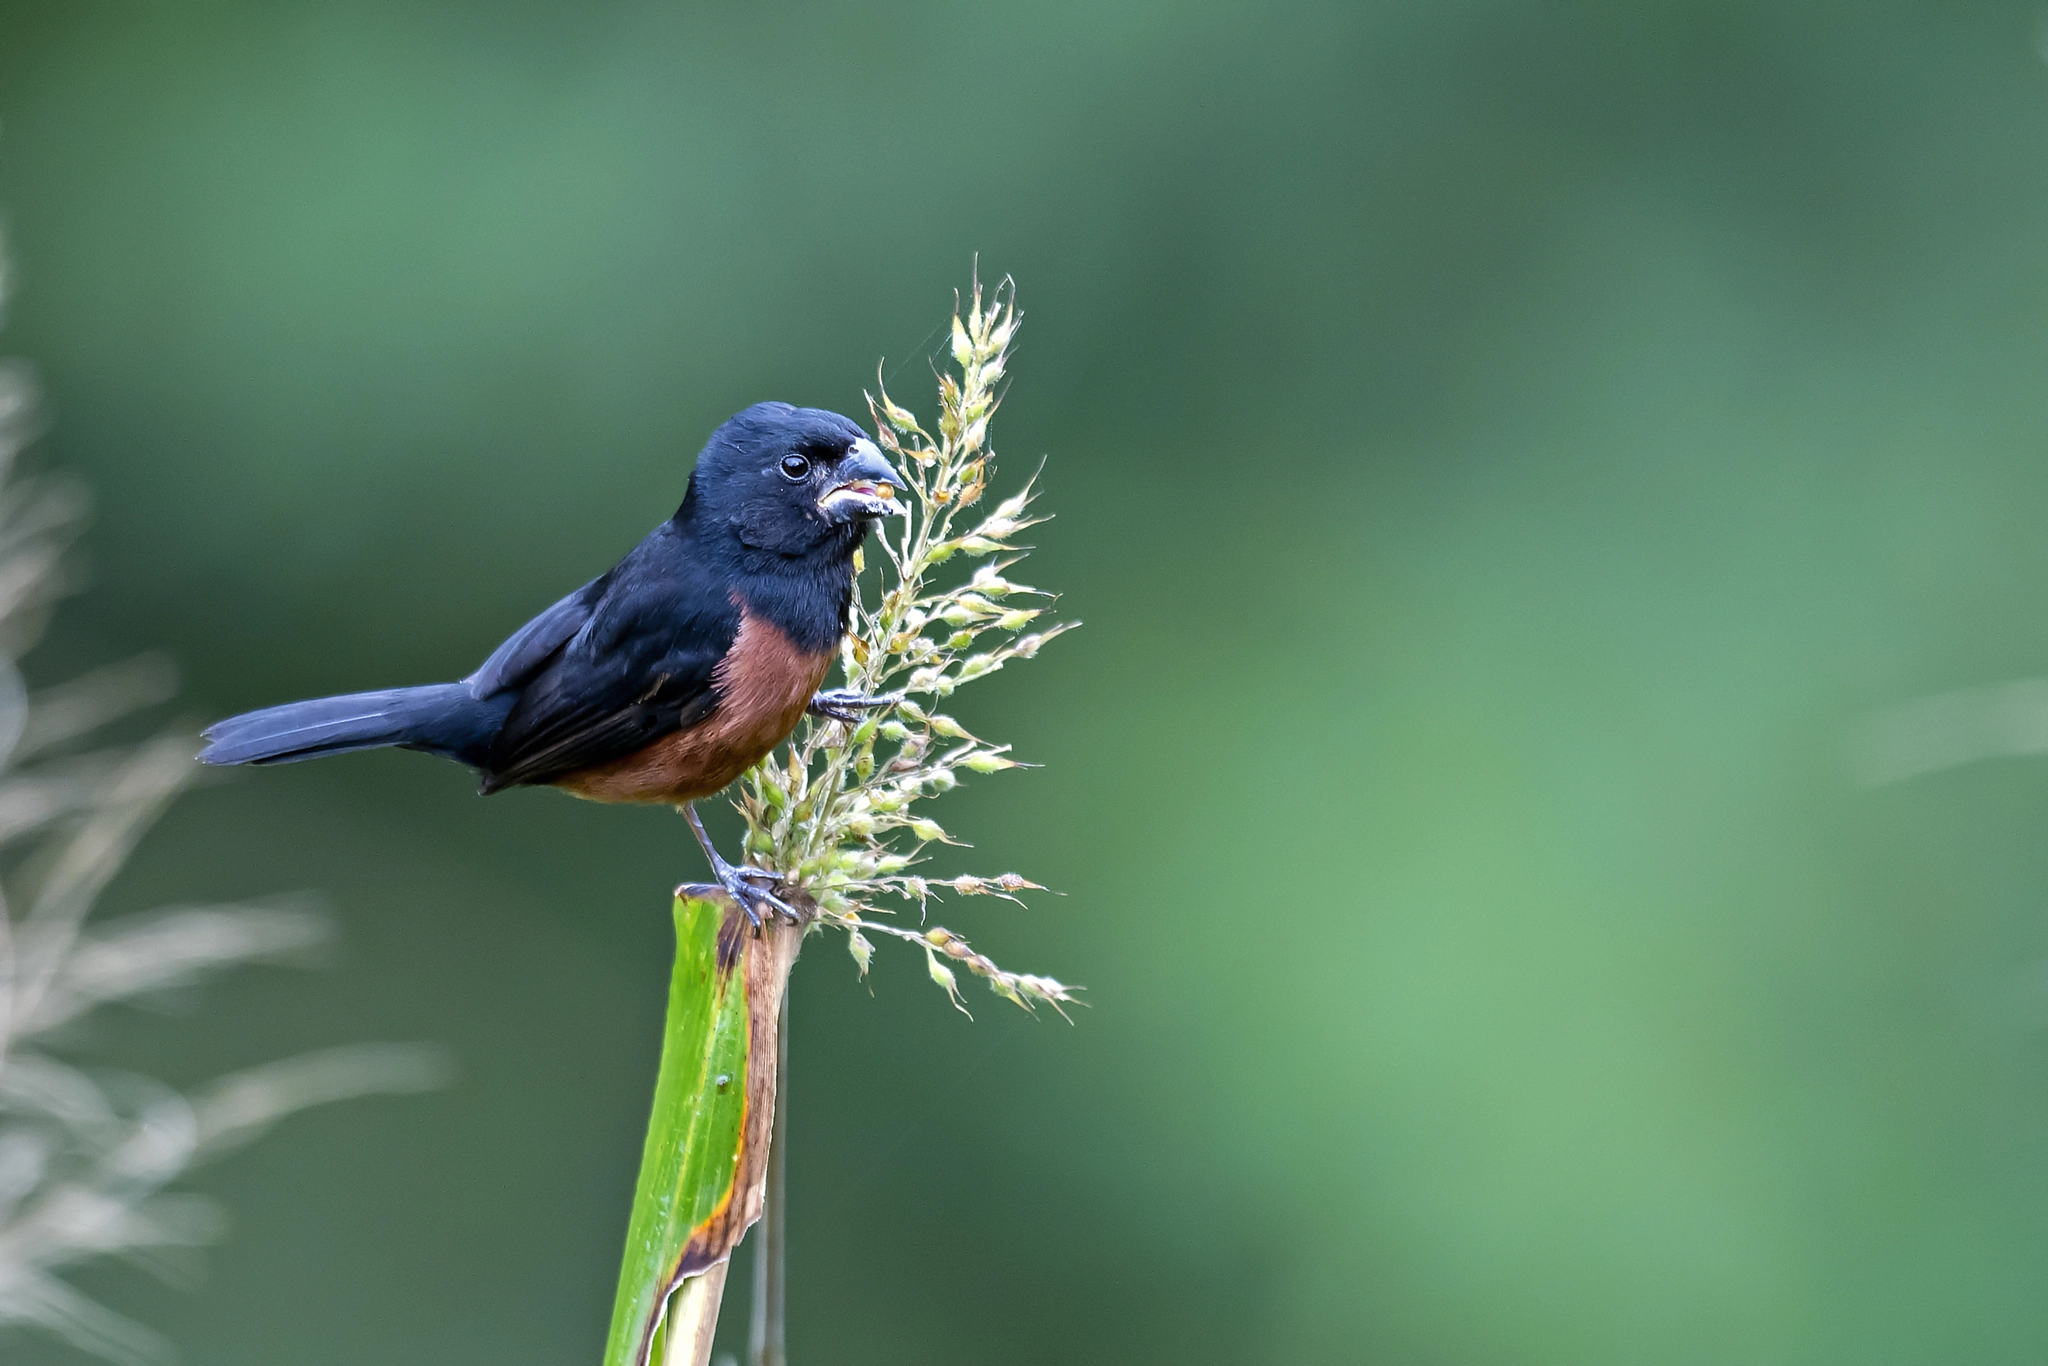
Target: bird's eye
{"points": [[795, 467]]}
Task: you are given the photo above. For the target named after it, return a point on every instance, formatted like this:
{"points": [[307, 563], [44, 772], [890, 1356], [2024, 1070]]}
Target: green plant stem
{"points": [[709, 1136]]}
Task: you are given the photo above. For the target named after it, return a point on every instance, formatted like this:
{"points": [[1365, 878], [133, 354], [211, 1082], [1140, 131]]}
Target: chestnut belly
{"points": [[763, 683]]}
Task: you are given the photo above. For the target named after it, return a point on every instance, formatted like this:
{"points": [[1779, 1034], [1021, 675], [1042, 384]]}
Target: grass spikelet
{"points": [[834, 814]]}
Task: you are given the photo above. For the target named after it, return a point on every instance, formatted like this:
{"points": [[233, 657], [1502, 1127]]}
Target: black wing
{"points": [[640, 667], [527, 648], [543, 742]]}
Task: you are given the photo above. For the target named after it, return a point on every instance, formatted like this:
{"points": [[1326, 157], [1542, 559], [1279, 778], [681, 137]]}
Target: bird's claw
{"points": [[844, 704], [736, 878], [739, 882]]}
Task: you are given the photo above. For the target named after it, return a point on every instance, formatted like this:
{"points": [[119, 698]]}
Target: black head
{"points": [[794, 482]]}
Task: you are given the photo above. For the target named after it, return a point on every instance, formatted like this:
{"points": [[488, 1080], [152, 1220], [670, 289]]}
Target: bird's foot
{"points": [[844, 704], [756, 901], [739, 881]]}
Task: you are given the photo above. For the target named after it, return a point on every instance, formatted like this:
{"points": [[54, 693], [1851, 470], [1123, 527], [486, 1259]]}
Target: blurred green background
{"points": [[1501, 451]]}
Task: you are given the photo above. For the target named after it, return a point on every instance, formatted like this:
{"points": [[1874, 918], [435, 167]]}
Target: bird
{"points": [[668, 676]]}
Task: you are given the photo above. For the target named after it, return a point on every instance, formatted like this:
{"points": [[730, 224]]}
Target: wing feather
{"points": [[554, 742], [640, 666], [613, 667], [527, 648]]}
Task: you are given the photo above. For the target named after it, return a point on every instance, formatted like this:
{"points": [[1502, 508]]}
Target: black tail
{"points": [[441, 718]]}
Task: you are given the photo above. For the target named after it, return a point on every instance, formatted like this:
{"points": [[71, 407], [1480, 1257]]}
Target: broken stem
{"points": [[766, 1344]]}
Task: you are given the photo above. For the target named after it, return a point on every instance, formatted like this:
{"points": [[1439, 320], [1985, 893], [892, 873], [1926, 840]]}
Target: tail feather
{"points": [[441, 718]]}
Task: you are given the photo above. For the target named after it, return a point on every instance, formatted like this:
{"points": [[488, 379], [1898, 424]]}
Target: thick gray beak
{"points": [[863, 486]]}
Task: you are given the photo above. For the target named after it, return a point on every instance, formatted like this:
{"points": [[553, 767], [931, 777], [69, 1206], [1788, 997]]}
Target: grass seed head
{"points": [[832, 813]]}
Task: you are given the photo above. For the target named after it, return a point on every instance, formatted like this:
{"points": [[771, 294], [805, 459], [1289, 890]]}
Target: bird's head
{"points": [[792, 481]]}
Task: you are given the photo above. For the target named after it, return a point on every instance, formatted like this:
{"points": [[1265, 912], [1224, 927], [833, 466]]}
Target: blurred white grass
{"points": [[1947, 730], [86, 1158]]}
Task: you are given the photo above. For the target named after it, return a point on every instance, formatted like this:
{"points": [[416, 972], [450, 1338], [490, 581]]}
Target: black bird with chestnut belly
{"points": [[667, 677]]}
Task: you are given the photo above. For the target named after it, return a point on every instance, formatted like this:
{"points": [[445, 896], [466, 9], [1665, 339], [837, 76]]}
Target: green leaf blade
{"points": [[705, 1158]]}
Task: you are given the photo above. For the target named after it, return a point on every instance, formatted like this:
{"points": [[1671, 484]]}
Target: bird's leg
{"points": [[844, 704], [736, 879]]}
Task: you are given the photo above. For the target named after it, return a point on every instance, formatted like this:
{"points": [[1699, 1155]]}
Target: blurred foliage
{"points": [[87, 1157], [1503, 451]]}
